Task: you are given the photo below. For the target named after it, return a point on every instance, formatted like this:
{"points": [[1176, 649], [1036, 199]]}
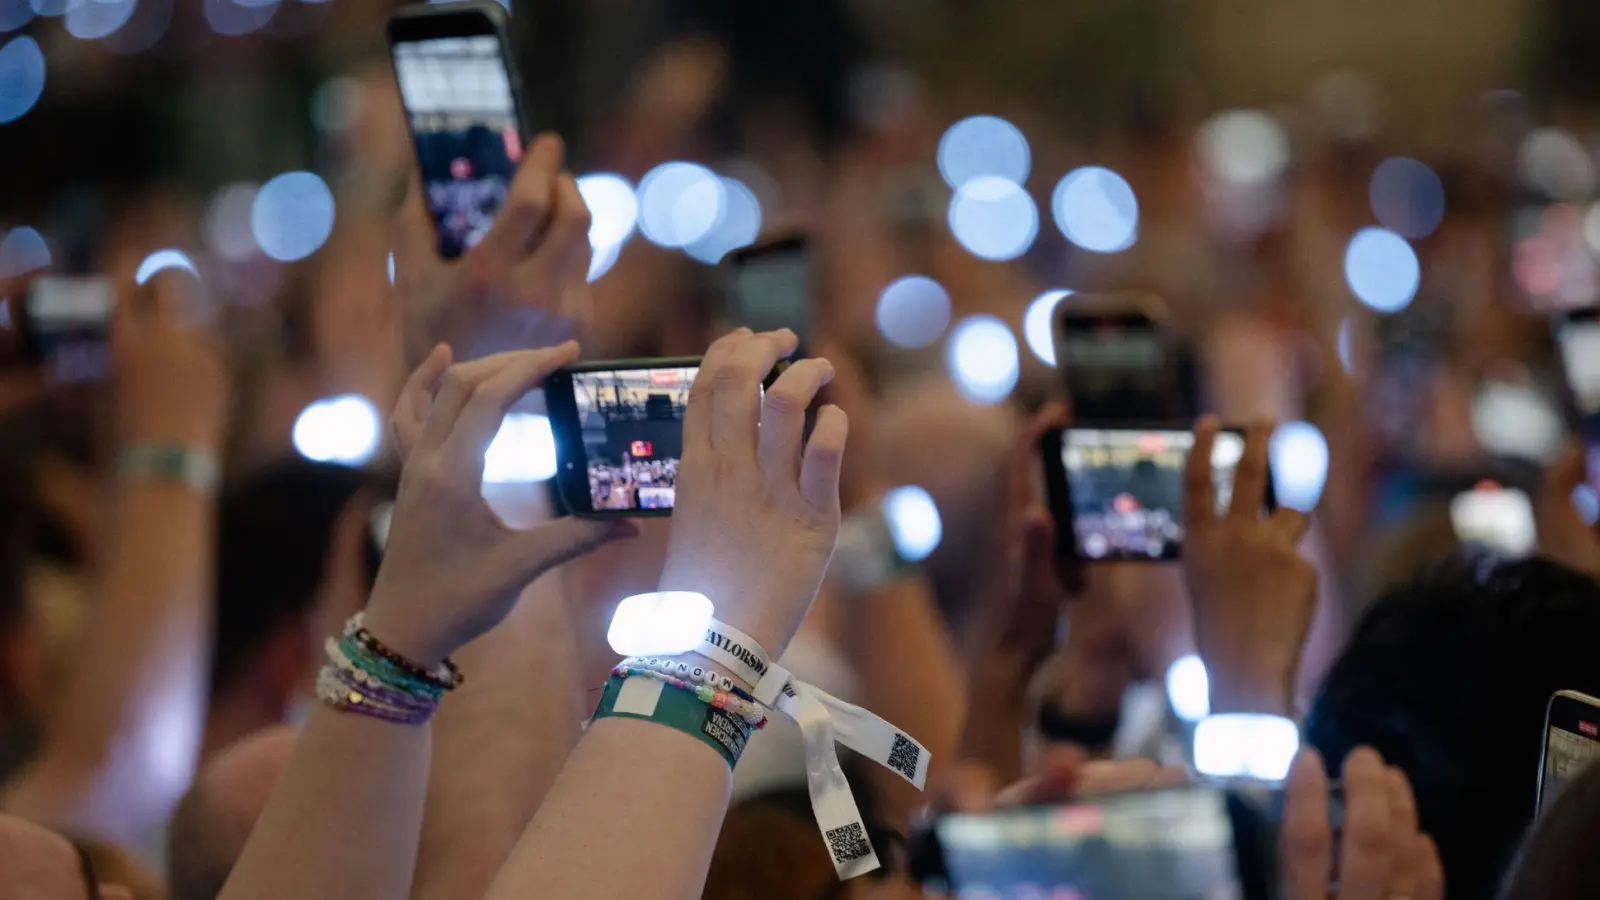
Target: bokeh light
{"points": [[53, 7], [1407, 197], [1244, 147], [1345, 344], [232, 18], [21, 77], [523, 451], [982, 359], [739, 226], [1556, 163], [1382, 269], [1299, 458], [1096, 209], [22, 250], [1189, 688], [983, 146], [14, 14], [679, 203], [1587, 502], [613, 208], [225, 224], [98, 18], [1517, 420], [391, 268], [292, 215], [913, 311], [144, 30], [1036, 324], [913, 521], [993, 218], [342, 429], [162, 260]]}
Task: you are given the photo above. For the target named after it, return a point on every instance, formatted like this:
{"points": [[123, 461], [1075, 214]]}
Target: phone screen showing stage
{"points": [[1162, 845], [1566, 755], [1127, 488], [631, 422], [457, 94]]}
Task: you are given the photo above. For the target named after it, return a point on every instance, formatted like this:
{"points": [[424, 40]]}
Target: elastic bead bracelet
{"points": [[354, 657], [446, 675], [337, 694], [751, 712], [687, 672]]}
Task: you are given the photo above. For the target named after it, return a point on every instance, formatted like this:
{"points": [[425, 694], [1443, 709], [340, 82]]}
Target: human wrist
{"points": [[1263, 689], [400, 633], [192, 466]]}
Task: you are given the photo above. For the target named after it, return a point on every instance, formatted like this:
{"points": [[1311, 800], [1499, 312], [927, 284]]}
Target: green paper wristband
{"points": [[682, 711]]}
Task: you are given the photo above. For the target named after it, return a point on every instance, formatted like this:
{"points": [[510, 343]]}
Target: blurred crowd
{"points": [[243, 176]]}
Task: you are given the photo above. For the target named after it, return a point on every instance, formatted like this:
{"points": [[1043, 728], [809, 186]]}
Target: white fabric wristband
{"points": [[824, 720]]}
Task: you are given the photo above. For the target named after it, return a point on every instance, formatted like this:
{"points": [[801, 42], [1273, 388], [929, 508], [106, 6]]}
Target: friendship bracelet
{"points": [[377, 671], [446, 675], [648, 700], [687, 672], [352, 680], [752, 713], [196, 469], [338, 695]]}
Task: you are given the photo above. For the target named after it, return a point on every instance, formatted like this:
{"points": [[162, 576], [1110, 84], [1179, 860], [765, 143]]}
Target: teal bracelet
{"points": [[682, 711], [197, 470]]}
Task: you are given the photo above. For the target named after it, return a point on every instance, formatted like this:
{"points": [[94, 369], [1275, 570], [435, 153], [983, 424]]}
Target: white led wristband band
{"points": [[823, 720]]}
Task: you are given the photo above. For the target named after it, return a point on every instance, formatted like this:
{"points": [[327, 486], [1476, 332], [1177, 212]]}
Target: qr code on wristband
{"points": [[848, 842], [904, 756]]}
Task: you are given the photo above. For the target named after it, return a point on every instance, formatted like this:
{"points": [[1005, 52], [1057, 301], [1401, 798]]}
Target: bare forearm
{"points": [[129, 719], [635, 813], [346, 815], [910, 675], [499, 744]]}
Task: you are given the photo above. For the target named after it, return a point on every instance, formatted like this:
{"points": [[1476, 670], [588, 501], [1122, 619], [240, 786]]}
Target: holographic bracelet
{"points": [[751, 712]]}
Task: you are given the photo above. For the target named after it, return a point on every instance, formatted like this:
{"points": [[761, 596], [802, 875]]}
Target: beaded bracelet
{"points": [[446, 675], [339, 694], [751, 712], [687, 672], [353, 657]]}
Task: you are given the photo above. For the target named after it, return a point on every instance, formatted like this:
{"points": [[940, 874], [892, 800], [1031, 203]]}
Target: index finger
{"points": [[1199, 495], [1307, 835], [525, 214]]}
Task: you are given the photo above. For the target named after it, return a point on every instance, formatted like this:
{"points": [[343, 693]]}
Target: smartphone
{"points": [[1571, 742], [1117, 493], [1156, 845], [61, 326], [1494, 516], [769, 287], [618, 429], [463, 104], [1120, 361], [1578, 341]]}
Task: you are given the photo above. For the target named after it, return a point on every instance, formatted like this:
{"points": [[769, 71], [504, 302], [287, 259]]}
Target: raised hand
{"points": [[521, 287], [1563, 535], [452, 569], [758, 513], [1253, 593], [172, 382], [1382, 854]]}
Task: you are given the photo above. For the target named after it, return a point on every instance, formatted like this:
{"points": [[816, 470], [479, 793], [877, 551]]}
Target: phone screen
{"points": [[770, 288], [1572, 742], [1579, 340], [68, 321], [630, 423], [1125, 488], [464, 120], [1496, 517], [1161, 845]]}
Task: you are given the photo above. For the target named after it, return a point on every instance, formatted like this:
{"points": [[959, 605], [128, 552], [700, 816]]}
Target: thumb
{"points": [[543, 548]]}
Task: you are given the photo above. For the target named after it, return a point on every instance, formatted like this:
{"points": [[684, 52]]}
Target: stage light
{"points": [[913, 520], [1382, 269], [983, 146]]}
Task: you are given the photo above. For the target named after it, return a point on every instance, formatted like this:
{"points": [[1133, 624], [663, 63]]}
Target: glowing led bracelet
{"points": [[1245, 745], [662, 623]]}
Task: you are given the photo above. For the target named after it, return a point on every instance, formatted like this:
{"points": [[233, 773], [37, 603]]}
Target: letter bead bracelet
{"points": [[728, 700]]}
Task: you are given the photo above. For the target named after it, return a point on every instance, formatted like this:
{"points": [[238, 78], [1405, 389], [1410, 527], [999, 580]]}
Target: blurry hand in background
{"points": [[172, 382]]}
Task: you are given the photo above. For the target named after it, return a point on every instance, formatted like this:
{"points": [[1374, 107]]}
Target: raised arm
{"points": [[123, 736], [346, 816], [637, 808]]}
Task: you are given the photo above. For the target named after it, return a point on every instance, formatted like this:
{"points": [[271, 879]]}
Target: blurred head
{"points": [[212, 822], [293, 554], [1448, 678], [769, 848], [1558, 861], [38, 864]]}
